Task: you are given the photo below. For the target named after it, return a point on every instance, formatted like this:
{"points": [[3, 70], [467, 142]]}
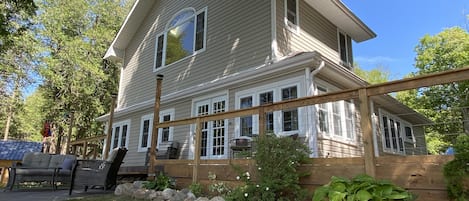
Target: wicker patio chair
{"points": [[98, 173]]}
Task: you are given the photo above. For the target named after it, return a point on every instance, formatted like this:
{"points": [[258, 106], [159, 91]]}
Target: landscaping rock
{"points": [[168, 193], [217, 198], [141, 194], [124, 189], [202, 199]]}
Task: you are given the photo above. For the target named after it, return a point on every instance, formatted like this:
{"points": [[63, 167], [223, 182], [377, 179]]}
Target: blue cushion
{"points": [[67, 164]]}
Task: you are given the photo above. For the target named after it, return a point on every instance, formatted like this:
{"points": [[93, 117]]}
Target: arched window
{"points": [[184, 35]]}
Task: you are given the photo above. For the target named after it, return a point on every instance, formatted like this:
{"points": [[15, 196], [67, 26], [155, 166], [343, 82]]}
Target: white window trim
{"points": [[330, 127], [149, 117], [171, 112], [388, 115], [348, 63], [290, 26], [150, 127], [277, 97], [120, 124], [222, 95], [164, 33]]}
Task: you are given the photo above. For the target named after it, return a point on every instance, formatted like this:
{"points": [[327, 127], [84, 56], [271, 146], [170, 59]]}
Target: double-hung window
{"points": [[283, 122], [345, 49], [336, 119], [291, 14], [183, 36], [146, 126], [120, 132]]}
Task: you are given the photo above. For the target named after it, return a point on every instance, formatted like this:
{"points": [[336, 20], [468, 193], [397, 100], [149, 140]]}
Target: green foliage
{"points": [[457, 170], [160, 183], [217, 187], [196, 189], [446, 105], [360, 188], [74, 35], [277, 161], [374, 76], [15, 19]]}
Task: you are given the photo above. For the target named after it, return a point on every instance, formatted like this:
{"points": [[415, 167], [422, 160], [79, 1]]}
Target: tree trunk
{"points": [[10, 112]]}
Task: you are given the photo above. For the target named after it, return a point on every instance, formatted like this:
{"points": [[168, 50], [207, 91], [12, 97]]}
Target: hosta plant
{"points": [[360, 188]]}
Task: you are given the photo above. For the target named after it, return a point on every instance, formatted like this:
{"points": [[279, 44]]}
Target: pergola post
{"points": [[154, 131], [367, 130], [261, 122], [109, 129]]}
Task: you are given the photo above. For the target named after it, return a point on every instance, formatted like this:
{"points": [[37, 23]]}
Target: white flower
{"points": [[266, 188], [237, 177], [259, 168], [248, 178], [247, 174], [257, 185], [245, 194]]}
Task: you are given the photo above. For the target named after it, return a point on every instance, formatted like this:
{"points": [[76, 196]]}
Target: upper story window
{"points": [[345, 49], [183, 36], [291, 13]]}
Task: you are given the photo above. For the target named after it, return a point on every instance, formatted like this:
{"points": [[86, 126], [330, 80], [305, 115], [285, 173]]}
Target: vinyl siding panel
{"points": [[315, 33], [231, 46]]}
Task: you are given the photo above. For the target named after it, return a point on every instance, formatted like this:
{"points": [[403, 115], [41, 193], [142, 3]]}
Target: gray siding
{"points": [[316, 33], [238, 37]]}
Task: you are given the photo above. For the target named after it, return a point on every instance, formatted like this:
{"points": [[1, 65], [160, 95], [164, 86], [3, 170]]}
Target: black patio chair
{"points": [[97, 173]]}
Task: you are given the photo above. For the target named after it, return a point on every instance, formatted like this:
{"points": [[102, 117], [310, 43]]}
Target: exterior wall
{"points": [[315, 33], [231, 46]]}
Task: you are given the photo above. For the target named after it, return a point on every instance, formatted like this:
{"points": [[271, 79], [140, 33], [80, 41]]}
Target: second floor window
{"points": [[291, 13], [345, 49], [184, 35]]}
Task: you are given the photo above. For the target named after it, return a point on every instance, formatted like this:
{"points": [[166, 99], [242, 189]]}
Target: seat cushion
{"points": [[35, 172]]}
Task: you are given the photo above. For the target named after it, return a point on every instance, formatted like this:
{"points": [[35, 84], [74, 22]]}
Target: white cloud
{"points": [[374, 60]]}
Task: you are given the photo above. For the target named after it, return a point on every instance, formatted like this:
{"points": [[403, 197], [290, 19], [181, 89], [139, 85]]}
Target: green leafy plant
{"points": [[457, 171], [277, 176], [196, 189], [360, 188], [160, 183], [217, 187]]}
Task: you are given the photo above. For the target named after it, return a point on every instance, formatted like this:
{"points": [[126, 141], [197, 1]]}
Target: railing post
{"points": [[369, 156], [198, 138], [109, 129], [261, 122], [154, 131]]}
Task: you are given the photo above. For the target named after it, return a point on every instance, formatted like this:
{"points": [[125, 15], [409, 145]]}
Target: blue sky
{"points": [[399, 25]]}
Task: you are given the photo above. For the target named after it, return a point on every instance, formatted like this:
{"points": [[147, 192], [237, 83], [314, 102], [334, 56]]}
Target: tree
{"points": [[446, 105], [17, 71], [374, 76], [75, 35], [14, 20]]}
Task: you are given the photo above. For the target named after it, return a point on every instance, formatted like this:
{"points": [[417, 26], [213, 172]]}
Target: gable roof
{"points": [[334, 10], [14, 150]]}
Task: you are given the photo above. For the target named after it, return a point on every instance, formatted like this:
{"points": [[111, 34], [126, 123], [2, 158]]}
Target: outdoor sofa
{"points": [[42, 167]]}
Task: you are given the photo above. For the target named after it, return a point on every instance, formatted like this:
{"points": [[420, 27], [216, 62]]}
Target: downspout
{"points": [[311, 117]]}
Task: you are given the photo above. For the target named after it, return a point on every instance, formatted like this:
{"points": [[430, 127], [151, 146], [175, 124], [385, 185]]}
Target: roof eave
{"points": [[128, 29], [340, 15]]}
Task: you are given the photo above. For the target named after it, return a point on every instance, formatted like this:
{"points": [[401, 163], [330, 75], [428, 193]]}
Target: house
{"points": [[220, 56], [12, 151]]}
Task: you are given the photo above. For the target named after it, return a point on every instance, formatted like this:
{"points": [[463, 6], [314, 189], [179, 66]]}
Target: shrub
{"points": [[160, 183], [277, 160], [457, 170], [361, 187], [196, 189]]}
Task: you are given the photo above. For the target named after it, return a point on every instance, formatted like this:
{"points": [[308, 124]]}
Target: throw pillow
{"points": [[67, 164]]}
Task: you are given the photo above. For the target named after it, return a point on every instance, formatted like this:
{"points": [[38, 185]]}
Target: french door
{"points": [[214, 133]]}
